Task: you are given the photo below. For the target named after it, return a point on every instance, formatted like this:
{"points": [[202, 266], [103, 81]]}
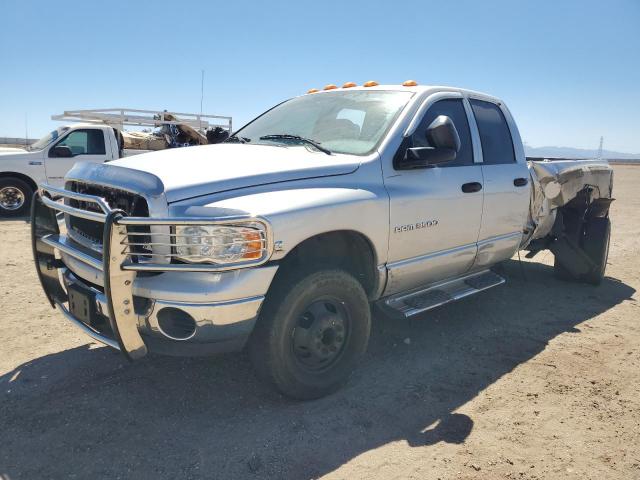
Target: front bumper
{"points": [[222, 305]]}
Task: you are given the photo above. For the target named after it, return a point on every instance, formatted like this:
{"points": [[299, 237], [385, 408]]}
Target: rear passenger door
{"points": [[506, 179]]}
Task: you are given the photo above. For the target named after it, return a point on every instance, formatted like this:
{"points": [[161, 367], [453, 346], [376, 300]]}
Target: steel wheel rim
{"points": [[320, 335], [11, 198]]}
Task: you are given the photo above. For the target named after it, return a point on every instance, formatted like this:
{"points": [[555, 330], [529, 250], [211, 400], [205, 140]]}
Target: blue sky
{"points": [[569, 70]]}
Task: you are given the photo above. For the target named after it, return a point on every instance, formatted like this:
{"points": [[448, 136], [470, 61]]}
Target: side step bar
{"points": [[408, 304]]}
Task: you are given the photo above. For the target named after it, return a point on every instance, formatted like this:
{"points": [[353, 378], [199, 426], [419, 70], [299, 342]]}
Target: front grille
{"points": [[83, 230]]}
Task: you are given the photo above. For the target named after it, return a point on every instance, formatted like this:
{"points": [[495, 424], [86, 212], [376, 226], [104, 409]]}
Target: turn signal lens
{"points": [[370, 83], [253, 245], [313, 90], [409, 83], [349, 85]]}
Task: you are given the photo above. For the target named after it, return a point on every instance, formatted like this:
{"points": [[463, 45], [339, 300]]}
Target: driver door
{"points": [[86, 145], [435, 216]]}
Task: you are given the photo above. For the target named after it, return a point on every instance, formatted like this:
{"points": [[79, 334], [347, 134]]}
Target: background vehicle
{"points": [[99, 137], [404, 196]]}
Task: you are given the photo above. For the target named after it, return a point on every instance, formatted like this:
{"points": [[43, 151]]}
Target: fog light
{"points": [[176, 324]]}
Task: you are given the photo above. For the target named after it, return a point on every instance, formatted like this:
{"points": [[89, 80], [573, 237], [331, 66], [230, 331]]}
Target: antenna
{"points": [[600, 148], [201, 96]]}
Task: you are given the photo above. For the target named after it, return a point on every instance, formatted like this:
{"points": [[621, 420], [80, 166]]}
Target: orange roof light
{"points": [[313, 90], [370, 83], [331, 86], [349, 85], [410, 83]]}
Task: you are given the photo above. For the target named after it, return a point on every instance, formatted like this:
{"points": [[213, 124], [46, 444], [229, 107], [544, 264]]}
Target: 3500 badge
{"points": [[415, 226]]}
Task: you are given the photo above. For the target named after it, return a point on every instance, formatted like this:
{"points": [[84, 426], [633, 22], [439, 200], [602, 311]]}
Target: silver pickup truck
{"points": [[281, 239]]}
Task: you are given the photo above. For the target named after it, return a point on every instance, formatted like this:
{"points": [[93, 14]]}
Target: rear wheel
{"points": [[596, 244], [313, 330], [561, 273], [15, 197]]}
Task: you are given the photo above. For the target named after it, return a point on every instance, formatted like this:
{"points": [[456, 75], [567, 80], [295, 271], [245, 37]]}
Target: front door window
{"points": [[84, 142]]}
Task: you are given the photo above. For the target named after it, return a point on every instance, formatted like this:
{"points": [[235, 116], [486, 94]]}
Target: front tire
{"points": [[312, 332], [15, 197]]}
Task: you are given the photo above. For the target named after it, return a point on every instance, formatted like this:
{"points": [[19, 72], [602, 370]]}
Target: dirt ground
{"points": [[536, 379]]}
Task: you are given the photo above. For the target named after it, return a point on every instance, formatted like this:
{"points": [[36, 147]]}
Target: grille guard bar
{"points": [[118, 283], [117, 264], [50, 194]]}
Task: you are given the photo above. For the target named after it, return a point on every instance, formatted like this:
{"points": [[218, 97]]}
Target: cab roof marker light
{"points": [[370, 83], [313, 90], [331, 86], [409, 83], [349, 85]]}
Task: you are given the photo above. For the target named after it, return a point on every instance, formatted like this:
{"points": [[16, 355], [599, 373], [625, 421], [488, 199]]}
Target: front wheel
{"points": [[312, 332], [15, 197]]}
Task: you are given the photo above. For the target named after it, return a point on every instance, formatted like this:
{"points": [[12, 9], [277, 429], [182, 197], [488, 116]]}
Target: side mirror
{"points": [[61, 151], [445, 141], [442, 133]]}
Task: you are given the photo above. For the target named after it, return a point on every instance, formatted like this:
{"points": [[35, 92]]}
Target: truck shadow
{"points": [[84, 412], [15, 219]]}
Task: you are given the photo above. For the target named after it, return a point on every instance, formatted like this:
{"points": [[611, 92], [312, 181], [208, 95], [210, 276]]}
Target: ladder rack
{"points": [[119, 117]]}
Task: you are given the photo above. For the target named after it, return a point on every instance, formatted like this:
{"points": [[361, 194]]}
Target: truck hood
{"points": [[194, 171]]}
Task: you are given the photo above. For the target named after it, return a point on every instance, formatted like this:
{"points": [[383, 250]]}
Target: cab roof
{"points": [[401, 88]]}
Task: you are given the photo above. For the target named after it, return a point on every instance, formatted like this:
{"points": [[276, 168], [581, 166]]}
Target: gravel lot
{"points": [[535, 379]]}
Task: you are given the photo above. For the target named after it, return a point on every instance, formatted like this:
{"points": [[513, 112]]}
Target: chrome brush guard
{"points": [[117, 261]]}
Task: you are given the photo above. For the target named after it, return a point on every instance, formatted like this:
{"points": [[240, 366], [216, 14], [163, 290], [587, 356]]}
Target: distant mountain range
{"points": [[568, 152]]}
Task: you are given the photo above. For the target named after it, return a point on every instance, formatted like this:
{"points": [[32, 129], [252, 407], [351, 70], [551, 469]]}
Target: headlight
{"points": [[221, 244]]}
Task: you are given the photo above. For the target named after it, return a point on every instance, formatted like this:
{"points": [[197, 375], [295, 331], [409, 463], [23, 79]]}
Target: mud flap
{"points": [[571, 256], [566, 247]]}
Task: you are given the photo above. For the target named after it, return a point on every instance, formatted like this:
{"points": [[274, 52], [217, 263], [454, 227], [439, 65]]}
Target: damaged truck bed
{"points": [[568, 214]]}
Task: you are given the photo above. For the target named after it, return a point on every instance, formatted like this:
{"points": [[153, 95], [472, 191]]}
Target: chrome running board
{"points": [[408, 304]]}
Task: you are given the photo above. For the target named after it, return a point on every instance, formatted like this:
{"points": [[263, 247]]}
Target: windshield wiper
{"points": [[298, 138], [238, 139]]}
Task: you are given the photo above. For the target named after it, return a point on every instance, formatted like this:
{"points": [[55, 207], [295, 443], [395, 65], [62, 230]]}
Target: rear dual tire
{"points": [[312, 332]]}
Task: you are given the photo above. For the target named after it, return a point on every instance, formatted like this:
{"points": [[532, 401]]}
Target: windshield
{"points": [[47, 139], [351, 122]]}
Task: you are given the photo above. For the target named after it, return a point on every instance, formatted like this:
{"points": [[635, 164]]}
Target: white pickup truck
{"points": [[402, 196], [99, 139], [49, 159]]}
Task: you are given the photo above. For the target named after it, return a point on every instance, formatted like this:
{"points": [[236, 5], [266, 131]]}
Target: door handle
{"points": [[520, 182], [471, 187]]}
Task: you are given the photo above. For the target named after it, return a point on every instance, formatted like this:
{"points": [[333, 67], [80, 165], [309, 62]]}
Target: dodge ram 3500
{"points": [[280, 239]]}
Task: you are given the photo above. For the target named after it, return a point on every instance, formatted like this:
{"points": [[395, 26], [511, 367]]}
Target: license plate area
{"points": [[82, 305]]}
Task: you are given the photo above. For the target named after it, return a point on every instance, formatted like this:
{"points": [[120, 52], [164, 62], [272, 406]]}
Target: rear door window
{"points": [[495, 136]]}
